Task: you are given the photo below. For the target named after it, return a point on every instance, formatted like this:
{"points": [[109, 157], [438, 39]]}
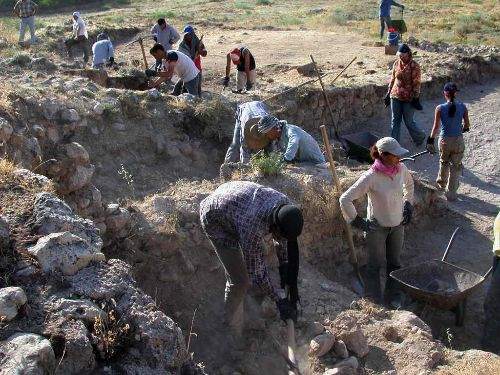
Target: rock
{"points": [[38, 131], [11, 299], [340, 349], [64, 252], [317, 328], [118, 220], [33, 146], [407, 318], [98, 109], [356, 342], [321, 344], [112, 208], [154, 94], [26, 354], [79, 309], [351, 362], [70, 115], [4, 233], [6, 130], [43, 64], [340, 371], [306, 69], [80, 177], [77, 152], [268, 308], [120, 126]]}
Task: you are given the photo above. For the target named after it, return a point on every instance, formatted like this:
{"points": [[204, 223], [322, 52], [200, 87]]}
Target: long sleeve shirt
{"points": [[102, 51], [236, 215], [245, 112], [166, 37], [386, 196], [25, 9], [385, 7], [79, 28], [298, 145], [496, 233], [406, 80]]}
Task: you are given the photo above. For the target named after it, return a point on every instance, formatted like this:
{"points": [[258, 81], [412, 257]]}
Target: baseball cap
{"points": [[450, 87], [390, 145], [189, 29], [403, 48]]}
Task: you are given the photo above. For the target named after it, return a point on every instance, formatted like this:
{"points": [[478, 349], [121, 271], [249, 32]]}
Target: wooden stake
{"points": [[143, 53]]}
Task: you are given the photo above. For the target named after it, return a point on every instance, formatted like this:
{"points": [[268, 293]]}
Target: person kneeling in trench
{"points": [[235, 218], [389, 187]]}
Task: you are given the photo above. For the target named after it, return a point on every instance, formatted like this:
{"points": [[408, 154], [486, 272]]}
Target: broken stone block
{"points": [[80, 309], [77, 152], [11, 299], [4, 233], [64, 252], [321, 344], [6, 130], [317, 328], [70, 115], [356, 342], [28, 354], [118, 220], [340, 349], [81, 176]]}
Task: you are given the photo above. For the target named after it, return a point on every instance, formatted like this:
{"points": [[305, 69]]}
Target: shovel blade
{"points": [[357, 284]]}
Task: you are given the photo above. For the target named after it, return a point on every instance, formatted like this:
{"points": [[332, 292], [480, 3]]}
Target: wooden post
{"points": [[143, 53]]}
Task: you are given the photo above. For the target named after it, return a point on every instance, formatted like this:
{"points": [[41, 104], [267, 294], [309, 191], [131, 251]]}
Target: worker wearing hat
{"points": [[245, 67], [452, 120], [193, 47], [294, 143], [103, 52], [389, 187], [235, 218]]}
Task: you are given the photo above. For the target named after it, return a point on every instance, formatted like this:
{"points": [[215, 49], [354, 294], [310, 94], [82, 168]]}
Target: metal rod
{"points": [[449, 244], [413, 157], [292, 88], [143, 53]]}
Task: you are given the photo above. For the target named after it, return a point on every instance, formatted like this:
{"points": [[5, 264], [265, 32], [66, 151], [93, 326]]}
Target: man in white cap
{"points": [[103, 52], [293, 142], [80, 38], [389, 187]]}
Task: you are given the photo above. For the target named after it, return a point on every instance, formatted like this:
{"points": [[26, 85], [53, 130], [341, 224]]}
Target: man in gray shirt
{"points": [[164, 34]]}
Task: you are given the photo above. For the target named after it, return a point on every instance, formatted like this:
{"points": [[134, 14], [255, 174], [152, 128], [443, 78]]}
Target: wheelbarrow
{"points": [[440, 284], [357, 145], [399, 25]]}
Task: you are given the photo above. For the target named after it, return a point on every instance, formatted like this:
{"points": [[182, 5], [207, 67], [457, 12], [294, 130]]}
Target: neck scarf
{"points": [[390, 171]]}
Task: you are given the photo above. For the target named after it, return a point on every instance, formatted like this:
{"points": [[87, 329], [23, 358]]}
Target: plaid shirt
{"points": [[236, 215], [25, 8], [406, 80]]}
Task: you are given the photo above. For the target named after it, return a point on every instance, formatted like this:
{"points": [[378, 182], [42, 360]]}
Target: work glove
{"points": [[287, 309], [364, 224], [415, 103], [407, 213], [465, 129], [150, 73], [249, 86], [430, 145], [110, 62], [225, 81], [387, 100]]}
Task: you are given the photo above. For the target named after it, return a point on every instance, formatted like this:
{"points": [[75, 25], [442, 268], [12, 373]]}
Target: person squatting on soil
{"points": [[245, 68], [403, 95], [166, 35], [193, 47], [491, 335], [247, 112], [80, 38], [293, 142], [175, 62], [26, 10], [389, 187], [103, 52], [448, 119], [385, 14], [235, 218]]}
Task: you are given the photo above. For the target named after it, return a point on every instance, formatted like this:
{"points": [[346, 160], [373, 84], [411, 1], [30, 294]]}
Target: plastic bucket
{"points": [[393, 38]]}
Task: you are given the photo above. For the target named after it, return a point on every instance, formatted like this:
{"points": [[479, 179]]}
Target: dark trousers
{"points": [[383, 22], [491, 335], [384, 248], [82, 44]]}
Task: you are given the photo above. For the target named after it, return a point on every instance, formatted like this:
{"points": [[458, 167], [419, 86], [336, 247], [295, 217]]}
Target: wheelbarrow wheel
{"points": [[459, 311]]}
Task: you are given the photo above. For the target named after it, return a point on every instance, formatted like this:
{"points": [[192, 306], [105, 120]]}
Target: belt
{"points": [[28, 16]]}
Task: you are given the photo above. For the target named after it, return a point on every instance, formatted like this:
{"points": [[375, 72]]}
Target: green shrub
{"points": [[264, 2], [267, 164]]}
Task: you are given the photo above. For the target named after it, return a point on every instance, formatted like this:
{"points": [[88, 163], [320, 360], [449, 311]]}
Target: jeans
{"points": [[451, 153], [82, 44], [241, 79], [491, 334], [192, 87], [384, 247], [404, 111], [27, 22], [383, 22]]}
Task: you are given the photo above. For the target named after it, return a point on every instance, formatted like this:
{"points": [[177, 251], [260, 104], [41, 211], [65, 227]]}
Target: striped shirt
{"points": [[236, 215], [25, 8]]}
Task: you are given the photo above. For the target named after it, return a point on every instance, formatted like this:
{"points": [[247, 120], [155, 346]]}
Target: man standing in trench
{"points": [[25, 10], [235, 218]]}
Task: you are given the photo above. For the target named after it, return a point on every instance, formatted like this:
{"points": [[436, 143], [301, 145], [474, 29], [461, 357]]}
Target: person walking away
{"points": [[26, 10], [491, 334], [235, 218], [175, 62], [245, 67], [103, 52], [294, 143], [389, 187], [250, 111], [448, 119], [164, 34], [403, 95], [80, 38], [385, 14], [193, 47]]}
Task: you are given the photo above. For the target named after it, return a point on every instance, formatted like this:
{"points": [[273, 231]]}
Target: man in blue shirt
{"points": [[385, 14], [103, 52]]}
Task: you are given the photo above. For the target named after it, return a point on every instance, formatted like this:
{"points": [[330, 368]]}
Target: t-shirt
{"points": [[496, 233], [385, 7], [451, 126], [241, 65], [184, 67], [79, 28]]}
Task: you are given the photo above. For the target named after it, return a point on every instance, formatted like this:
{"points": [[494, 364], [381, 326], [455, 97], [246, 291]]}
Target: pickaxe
{"points": [[140, 40]]}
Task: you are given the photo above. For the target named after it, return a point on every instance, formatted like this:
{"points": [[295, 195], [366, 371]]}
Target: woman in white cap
{"points": [[389, 187], [80, 38]]}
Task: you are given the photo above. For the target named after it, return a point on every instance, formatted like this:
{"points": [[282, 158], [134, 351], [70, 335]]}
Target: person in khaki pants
{"points": [[448, 118]]}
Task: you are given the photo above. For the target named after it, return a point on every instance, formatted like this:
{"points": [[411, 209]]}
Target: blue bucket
{"points": [[393, 38]]}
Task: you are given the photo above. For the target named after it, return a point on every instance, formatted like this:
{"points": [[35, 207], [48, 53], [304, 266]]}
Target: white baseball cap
{"points": [[390, 145]]}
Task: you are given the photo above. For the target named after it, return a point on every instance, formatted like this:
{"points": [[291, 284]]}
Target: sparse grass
{"points": [[267, 164], [127, 177]]}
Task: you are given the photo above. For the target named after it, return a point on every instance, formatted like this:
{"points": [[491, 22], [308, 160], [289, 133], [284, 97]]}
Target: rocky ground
{"points": [[124, 173]]}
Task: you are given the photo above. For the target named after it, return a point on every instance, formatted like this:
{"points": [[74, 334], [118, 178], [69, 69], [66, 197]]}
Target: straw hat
{"points": [[254, 140]]}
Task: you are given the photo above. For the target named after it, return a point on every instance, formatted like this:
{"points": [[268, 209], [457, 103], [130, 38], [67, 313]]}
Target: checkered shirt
{"points": [[25, 8], [236, 215]]}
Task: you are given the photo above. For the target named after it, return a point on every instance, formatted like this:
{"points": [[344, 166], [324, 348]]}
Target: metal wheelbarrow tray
{"points": [[440, 284], [358, 145]]}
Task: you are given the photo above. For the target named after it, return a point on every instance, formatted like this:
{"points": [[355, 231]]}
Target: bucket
{"points": [[393, 38]]}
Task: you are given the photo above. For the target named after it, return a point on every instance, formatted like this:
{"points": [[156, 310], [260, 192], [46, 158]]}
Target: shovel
{"points": [[356, 280]]}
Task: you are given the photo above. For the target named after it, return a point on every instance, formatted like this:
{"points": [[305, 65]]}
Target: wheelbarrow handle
{"points": [[413, 157], [449, 244], [488, 273]]}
